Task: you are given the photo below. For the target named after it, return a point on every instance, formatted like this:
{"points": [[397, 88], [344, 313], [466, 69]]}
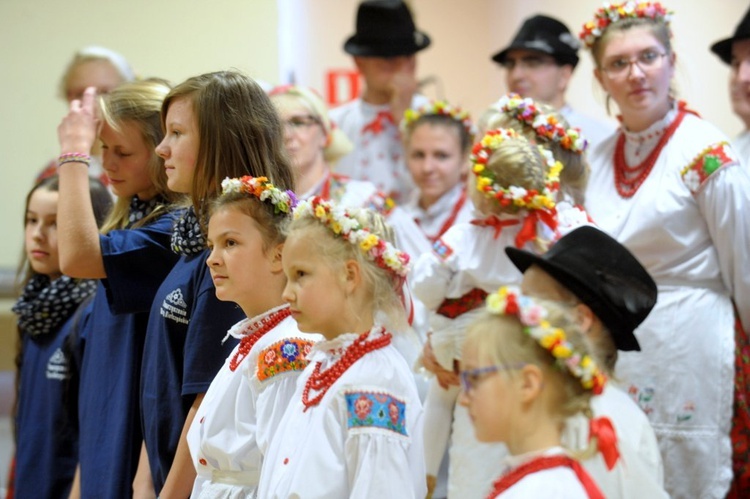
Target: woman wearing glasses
{"points": [[668, 186]]}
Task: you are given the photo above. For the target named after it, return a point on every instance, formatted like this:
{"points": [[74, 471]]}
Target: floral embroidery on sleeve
{"points": [[442, 249], [283, 356], [375, 410], [705, 164]]}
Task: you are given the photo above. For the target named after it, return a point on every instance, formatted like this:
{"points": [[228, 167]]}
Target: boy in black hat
{"points": [[539, 63], [384, 48], [735, 51], [611, 294]]}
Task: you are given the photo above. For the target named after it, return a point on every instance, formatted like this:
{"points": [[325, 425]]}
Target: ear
{"points": [[566, 73], [352, 276], [358, 63], [584, 317], [275, 257], [531, 383]]}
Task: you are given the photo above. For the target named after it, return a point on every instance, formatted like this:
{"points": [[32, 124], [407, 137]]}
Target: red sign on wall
{"points": [[342, 85]]}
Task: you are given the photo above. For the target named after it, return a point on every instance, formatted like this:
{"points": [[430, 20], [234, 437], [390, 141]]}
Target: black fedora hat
{"points": [[385, 28], [603, 274], [546, 35], [723, 48]]}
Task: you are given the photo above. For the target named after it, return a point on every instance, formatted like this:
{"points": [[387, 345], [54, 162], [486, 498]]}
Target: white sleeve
{"points": [[724, 201], [430, 280]]}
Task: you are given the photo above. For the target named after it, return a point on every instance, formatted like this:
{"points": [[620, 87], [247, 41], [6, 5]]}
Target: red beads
{"points": [[255, 332], [322, 381]]}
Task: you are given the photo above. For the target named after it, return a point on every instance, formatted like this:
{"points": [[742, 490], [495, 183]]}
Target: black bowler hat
{"points": [[385, 28], [723, 48], [603, 274], [546, 35]]}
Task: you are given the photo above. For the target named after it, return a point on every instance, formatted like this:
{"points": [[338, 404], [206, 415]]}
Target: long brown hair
{"points": [[239, 131]]}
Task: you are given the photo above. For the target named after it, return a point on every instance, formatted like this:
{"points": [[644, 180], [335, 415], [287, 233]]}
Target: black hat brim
{"points": [[723, 48], [523, 260], [561, 59], [382, 48]]}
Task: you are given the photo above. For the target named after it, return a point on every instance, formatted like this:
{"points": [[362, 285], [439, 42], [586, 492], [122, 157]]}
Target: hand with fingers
{"points": [[78, 129]]}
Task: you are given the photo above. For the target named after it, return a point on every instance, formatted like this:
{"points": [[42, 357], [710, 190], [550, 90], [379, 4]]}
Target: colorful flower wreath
{"points": [[612, 12], [546, 126], [533, 320], [343, 223], [512, 195], [440, 108], [260, 187]]}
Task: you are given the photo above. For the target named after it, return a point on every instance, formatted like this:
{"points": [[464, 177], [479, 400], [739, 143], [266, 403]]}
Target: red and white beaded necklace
{"points": [[322, 381], [255, 331]]}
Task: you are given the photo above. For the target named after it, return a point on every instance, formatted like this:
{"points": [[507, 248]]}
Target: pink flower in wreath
{"points": [[394, 412], [270, 357], [362, 407]]}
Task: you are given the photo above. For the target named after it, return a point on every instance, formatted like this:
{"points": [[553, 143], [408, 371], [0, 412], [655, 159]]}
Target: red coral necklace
{"points": [[259, 328], [322, 381], [628, 179]]}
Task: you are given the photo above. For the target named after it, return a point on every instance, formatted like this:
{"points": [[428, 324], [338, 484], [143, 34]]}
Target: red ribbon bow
{"points": [[377, 124], [528, 231], [606, 440], [493, 221]]}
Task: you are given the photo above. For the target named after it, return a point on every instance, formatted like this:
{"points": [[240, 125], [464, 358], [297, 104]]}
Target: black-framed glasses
{"points": [[648, 60], [300, 122], [471, 377]]}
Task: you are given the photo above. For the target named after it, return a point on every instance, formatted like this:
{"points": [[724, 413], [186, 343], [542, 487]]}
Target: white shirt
{"points": [[560, 482], [595, 131], [363, 439], [693, 238], [378, 154], [242, 409]]}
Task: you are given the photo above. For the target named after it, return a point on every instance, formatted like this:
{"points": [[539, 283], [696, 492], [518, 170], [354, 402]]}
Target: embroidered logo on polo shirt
{"points": [[375, 410], [174, 307], [58, 366]]}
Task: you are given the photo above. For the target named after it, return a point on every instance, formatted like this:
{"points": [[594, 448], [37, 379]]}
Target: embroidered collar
{"points": [[249, 325]]}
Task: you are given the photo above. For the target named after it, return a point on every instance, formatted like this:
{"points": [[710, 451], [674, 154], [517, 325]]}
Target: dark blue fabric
{"points": [[182, 355], [46, 426], [136, 261]]}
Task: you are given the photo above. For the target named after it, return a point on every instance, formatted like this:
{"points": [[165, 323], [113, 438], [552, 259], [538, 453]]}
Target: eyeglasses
{"points": [[528, 62], [648, 60], [297, 123], [470, 378]]}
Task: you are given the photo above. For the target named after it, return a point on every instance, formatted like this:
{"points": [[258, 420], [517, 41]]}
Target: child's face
{"points": [[41, 233], [491, 399], [314, 290], [237, 262], [179, 149], [435, 160], [125, 158]]}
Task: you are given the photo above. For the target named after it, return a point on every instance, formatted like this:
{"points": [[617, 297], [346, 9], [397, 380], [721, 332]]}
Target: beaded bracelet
{"points": [[74, 157]]}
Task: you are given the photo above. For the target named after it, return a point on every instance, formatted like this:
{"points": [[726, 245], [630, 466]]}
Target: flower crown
{"points": [[533, 320], [612, 12], [512, 195], [261, 188], [343, 223], [544, 125], [440, 108]]}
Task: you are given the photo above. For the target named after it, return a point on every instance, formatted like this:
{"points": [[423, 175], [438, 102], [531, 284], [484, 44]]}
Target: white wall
{"points": [[176, 39]]}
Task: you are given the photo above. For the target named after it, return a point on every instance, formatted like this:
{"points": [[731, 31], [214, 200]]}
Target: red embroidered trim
{"points": [[451, 219], [710, 160], [453, 307], [259, 328], [543, 463]]}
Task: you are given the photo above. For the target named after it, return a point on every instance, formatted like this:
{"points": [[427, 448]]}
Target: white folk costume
{"points": [[639, 472], [378, 154], [687, 226], [244, 404], [595, 131], [550, 474], [360, 438], [467, 263], [350, 193], [741, 144]]}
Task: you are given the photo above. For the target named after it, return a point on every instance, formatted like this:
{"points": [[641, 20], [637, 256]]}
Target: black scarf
{"points": [[44, 306], [141, 209], [187, 236]]}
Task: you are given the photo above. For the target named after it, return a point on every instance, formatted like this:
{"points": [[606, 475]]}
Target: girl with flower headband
{"points": [[217, 125], [513, 186], [251, 392], [525, 369], [314, 144], [130, 256], [51, 306], [669, 187], [354, 426]]}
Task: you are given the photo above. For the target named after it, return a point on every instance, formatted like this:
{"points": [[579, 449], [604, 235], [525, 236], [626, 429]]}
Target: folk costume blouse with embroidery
{"points": [[687, 226], [363, 439], [242, 408]]}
